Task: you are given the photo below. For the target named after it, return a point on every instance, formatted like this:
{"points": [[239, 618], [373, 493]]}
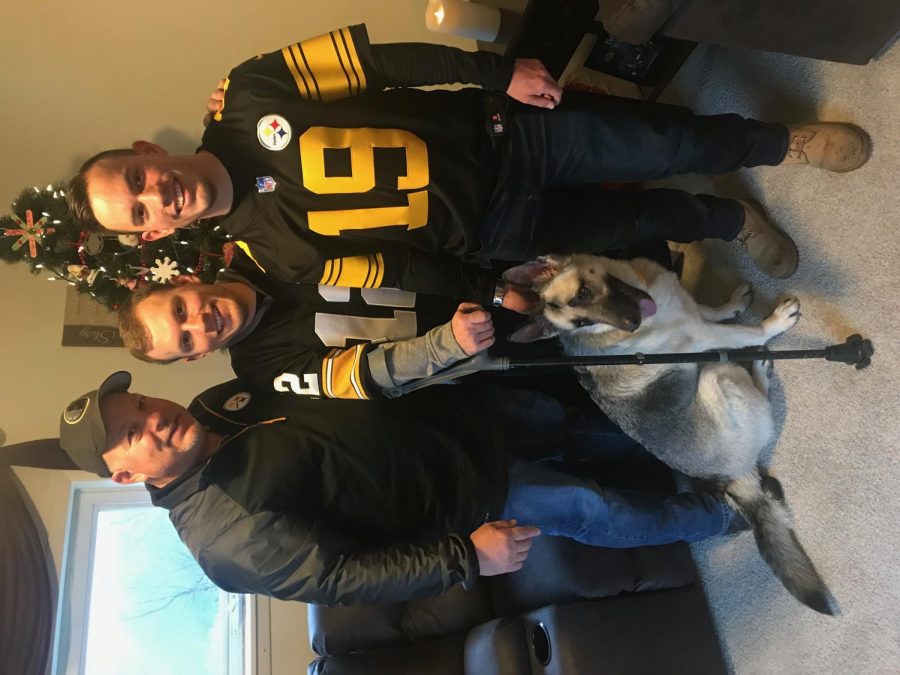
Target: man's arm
{"points": [[345, 59], [419, 64], [391, 364], [342, 63], [281, 556], [365, 371]]}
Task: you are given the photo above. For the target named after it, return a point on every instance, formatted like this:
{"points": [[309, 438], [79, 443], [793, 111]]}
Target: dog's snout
{"points": [[630, 323]]}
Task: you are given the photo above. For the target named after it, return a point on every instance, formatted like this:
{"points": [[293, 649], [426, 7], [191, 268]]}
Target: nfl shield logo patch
{"points": [[265, 184]]}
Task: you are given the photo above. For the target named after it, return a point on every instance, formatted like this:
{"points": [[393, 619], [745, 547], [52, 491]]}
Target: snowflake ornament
{"points": [[165, 270]]}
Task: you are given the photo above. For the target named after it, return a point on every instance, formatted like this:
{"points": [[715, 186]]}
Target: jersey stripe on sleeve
{"points": [[341, 376], [361, 271], [327, 67]]}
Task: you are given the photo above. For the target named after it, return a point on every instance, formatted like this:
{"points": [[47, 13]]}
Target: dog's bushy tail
{"points": [[777, 542]]}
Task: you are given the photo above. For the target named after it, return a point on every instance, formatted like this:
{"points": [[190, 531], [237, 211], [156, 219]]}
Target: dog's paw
{"points": [[741, 299], [762, 374], [785, 316]]}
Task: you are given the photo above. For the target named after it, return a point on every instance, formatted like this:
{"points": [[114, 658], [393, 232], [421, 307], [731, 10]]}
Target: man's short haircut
{"points": [[77, 196], [133, 331]]}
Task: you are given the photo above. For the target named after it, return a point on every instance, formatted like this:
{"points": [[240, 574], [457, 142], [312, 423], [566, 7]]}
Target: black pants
{"points": [[540, 206]]}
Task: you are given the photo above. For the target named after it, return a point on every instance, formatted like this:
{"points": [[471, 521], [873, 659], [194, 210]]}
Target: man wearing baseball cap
{"points": [[335, 501], [135, 445]]}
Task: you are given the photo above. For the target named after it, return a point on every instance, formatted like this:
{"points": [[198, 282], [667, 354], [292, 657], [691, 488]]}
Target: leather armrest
{"points": [[349, 628], [498, 647], [661, 632]]}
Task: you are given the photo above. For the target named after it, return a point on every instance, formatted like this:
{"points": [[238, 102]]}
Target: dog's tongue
{"points": [[647, 307]]}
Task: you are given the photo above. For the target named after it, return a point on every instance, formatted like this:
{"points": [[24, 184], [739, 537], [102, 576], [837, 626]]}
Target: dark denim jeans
{"points": [[602, 139]]}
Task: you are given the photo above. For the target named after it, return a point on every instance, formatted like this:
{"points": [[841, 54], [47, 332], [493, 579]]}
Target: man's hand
{"points": [[502, 546], [520, 299], [531, 83], [214, 104], [473, 328]]}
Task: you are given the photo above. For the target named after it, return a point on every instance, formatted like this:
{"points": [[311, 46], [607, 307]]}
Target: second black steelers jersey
{"points": [[313, 339]]}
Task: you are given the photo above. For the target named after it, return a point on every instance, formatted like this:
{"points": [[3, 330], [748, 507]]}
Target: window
{"points": [[133, 600]]}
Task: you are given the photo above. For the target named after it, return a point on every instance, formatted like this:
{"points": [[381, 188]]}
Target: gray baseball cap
{"points": [[81, 431]]}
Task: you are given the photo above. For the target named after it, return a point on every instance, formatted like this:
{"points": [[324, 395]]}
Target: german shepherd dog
{"points": [[709, 421]]}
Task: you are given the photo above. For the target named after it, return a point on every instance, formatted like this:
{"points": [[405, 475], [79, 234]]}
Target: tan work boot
{"points": [[771, 249], [835, 146]]}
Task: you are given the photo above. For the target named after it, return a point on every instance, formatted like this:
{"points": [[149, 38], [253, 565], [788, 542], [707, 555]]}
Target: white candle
{"points": [[467, 19]]}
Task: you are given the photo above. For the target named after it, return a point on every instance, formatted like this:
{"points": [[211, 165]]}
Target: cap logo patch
{"points": [[237, 402], [273, 132], [76, 410]]}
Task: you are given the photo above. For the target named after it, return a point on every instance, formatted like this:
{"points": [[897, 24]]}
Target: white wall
{"points": [[78, 77]]}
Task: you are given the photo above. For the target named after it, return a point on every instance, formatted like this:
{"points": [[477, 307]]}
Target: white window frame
{"points": [[86, 500]]}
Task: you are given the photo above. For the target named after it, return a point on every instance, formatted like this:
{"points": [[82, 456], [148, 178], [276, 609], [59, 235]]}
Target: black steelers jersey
{"points": [[313, 339], [340, 182]]}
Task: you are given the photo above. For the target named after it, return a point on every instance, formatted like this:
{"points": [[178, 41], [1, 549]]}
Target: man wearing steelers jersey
{"points": [[329, 168], [303, 339]]}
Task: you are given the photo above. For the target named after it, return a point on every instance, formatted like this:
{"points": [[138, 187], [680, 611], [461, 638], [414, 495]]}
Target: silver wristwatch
{"points": [[499, 292]]}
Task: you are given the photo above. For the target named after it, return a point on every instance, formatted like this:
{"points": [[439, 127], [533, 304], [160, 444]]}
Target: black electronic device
{"points": [[643, 64]]}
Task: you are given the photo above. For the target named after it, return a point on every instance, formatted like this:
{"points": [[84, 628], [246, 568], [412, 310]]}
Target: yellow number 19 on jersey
{"points": [[362, 143]]}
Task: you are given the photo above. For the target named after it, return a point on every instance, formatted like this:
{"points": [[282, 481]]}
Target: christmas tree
{"points": [[41, 233]]}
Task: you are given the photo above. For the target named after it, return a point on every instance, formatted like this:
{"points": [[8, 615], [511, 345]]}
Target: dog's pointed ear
{"points": [[536, 328], [534, 273]]}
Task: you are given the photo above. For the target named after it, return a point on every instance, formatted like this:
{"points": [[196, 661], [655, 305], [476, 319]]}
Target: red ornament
{"points": [[30, 232], [228, 250]]}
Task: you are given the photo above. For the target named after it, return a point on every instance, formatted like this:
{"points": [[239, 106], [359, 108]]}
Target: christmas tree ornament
{"points": [[93, 243], [165, 270], [129, 239], [228, 251], [77, 272], [31, 233]]}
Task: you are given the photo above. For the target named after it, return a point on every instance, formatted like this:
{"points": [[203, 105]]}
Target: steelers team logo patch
{"points": [[237, 402], [76, 410], [273, 132]]}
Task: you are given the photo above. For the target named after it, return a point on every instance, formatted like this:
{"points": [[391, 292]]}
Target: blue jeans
{"points": [[566, 505]]}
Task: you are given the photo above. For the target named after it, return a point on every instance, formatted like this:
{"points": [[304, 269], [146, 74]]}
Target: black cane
{"points": [[854, 351]]}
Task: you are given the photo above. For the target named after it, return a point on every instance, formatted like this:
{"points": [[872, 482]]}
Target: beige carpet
{"points": [[837, 454]]}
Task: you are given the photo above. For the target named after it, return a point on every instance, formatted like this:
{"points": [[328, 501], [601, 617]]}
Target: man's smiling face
{"points": [[150, 191], [192, 319]]}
